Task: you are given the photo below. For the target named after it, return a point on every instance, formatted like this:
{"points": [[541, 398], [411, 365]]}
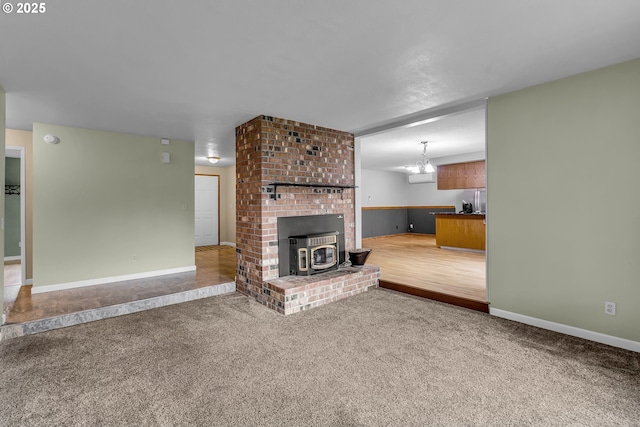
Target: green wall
{"points": [[563, 200], [12, 209], [2, 144], [105, 205]]}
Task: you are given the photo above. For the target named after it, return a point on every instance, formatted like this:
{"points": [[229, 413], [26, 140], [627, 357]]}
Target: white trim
{"points": [[13, 258], [112, 279], [421, 117], [568, 330], [228, 244], [357, 192], [28, 282], [487, 227]]}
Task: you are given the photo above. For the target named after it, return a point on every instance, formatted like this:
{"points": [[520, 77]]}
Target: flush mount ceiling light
{"points": [[51, 139], [213, 159], [424, 165]]}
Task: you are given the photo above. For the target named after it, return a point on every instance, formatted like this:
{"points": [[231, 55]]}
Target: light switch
{"points": [[166, 157], [164, 141]]}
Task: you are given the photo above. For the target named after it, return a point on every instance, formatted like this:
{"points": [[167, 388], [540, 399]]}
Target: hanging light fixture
{"points": [[424, 165]]}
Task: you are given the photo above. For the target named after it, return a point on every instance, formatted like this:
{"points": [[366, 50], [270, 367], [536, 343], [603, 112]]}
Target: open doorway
{"points": [[400, 203], [14, 214]]}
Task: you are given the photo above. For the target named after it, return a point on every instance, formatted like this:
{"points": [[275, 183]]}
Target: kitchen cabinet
{"points": [[461, 231], [462, 175]]}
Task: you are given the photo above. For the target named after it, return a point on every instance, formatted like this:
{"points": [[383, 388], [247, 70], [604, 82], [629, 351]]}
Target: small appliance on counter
{"points": [[466, 207]]}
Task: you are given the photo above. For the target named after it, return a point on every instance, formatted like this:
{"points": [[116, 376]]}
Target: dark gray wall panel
{"points": [[423, 221], [384, 222]]}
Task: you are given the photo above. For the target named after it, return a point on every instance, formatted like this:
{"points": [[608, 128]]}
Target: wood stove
{"points": [[313, 253], [322, 237]]}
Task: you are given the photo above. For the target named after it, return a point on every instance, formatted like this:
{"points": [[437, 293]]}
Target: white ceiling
{"points": [[195, 70], [448, 138]]}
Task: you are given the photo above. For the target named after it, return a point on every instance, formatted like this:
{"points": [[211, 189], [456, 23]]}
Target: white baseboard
{"points": [[28, 282], [568, 330], [112, 279], [13, 258], [228, 244]]}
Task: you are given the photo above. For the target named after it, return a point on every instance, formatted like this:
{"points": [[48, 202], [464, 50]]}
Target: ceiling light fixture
{"points": [[51, 139], [424, 165], [213, 159]]}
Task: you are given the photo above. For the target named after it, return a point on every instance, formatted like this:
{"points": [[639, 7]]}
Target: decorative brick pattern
{"points": [[270, 150]]}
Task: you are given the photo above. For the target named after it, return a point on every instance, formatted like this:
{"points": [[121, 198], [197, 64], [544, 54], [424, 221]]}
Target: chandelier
{"points": [[424, 165]]}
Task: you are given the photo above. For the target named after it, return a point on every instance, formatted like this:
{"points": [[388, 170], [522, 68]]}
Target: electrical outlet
{"points": [[610, 308]]}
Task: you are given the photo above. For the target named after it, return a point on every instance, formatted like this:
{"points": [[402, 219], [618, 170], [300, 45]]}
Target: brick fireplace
{"points": [[284, 169]]}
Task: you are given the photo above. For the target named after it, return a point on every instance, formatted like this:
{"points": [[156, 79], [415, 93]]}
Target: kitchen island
{"points": [[461, 230]]}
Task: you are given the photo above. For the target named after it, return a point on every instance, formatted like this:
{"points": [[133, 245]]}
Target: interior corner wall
{"points": [[390, 205], [227, 200], [105, 205], [231, 204], [24, 138], [563, 202], [2, 145]]}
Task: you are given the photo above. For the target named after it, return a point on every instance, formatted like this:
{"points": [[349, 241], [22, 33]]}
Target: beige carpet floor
{"points": [[376, 359]]}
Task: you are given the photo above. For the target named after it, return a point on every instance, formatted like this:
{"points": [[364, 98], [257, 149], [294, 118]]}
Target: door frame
{"points": [[23, 199], [216, 175]]}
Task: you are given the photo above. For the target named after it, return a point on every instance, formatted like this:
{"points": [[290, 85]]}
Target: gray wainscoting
{"points": [[384, 222], [396, 220]]}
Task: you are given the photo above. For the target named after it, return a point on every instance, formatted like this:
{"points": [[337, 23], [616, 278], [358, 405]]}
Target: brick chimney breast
{"points": [[273, 150]]}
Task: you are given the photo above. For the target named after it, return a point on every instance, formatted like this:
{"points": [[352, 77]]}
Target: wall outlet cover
{"points": [[610, 308]]}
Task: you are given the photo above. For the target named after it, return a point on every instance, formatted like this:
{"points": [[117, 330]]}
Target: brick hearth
{"points": [[270, 150], [292, 294]]}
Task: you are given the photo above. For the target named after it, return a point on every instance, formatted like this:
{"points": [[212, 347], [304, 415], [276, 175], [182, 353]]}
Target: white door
{"points": [[206, 207]]}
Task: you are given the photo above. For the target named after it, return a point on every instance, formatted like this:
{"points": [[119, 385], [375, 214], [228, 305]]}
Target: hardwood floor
{"points": [[214, 266], [412, 263]]}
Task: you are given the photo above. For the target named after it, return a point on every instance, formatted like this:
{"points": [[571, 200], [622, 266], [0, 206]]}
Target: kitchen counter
{"points": [[460, 230]]}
